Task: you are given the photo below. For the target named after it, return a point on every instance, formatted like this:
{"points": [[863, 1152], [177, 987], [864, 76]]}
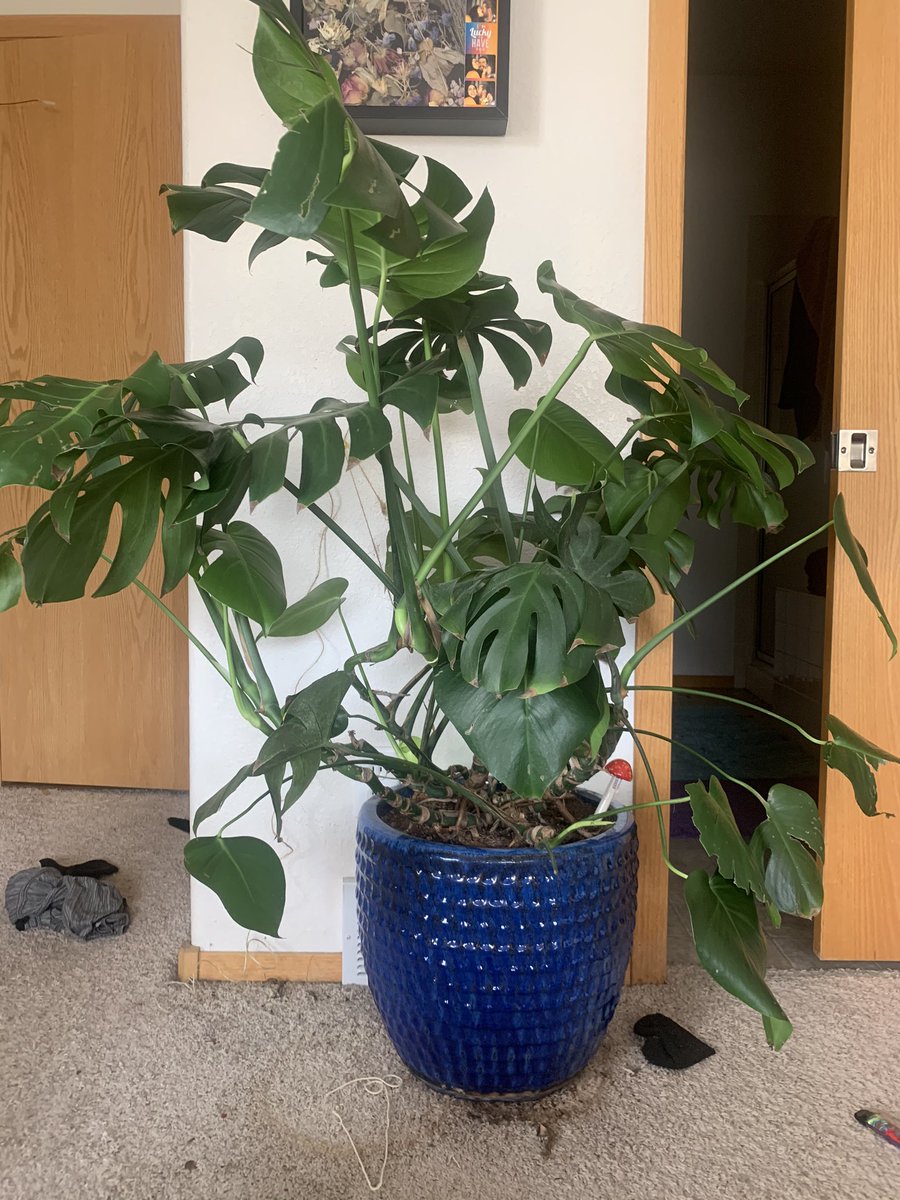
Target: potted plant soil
{"points": [[496, 903]]}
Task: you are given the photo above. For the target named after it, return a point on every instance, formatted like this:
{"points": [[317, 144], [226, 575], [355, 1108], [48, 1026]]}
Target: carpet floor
{"points": [[118, 1083]]}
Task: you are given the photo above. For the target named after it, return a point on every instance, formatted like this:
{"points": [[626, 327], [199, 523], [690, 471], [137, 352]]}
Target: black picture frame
{"points": [[455, 122]]}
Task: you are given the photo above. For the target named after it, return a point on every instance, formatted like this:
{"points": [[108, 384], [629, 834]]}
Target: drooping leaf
{"points": [[268, 463], [10, 578], [290, 76], [308, 721], [214, 212], [247, 876], [294, 195], [210, 807], [857, 770], [525, 743], [731, 946], [720, 837], [792, 835], [322, 460], [247, 575], [62, 412], [312, 611], [860, 563]]}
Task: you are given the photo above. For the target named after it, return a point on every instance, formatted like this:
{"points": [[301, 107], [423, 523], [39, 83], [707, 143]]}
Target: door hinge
{"points": [[854, 450]]}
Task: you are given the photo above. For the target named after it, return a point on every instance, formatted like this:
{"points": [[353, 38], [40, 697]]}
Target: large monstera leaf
{"points": [[517, 627], [525, 742], [62, 412], [738, 465], [327, 175]]}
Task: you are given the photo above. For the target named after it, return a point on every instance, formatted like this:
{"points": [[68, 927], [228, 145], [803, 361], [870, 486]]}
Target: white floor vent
{"points": [[353, 970]]}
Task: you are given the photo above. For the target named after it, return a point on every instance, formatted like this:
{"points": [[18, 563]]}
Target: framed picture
{"points": [[416, 66]]}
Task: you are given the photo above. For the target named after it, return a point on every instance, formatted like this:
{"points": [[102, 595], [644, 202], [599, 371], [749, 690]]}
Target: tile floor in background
{"points": [[791, 946]]}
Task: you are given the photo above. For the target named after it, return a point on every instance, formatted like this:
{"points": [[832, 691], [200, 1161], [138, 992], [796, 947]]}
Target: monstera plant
{"points": [[509, 613]]}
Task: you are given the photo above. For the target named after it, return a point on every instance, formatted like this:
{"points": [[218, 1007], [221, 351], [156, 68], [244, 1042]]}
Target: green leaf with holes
{"points": [[720, 837]]}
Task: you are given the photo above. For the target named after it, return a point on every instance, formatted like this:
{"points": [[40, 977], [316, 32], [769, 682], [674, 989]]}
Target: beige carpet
{"points": [[118, 1084]]}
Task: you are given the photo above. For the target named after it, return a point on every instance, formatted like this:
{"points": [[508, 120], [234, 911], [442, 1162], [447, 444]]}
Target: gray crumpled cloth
{"points": [[42, 898]]}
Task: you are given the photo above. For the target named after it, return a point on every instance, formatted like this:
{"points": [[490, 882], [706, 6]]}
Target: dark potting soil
{"points": [[557, 815]]}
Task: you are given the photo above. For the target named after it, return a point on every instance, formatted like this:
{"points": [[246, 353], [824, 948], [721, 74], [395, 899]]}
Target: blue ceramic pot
{"points": [[496, 975]]}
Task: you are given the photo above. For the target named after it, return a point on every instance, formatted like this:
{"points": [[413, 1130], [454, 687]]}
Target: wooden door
{"points": [[861, 918], [93, 692]]}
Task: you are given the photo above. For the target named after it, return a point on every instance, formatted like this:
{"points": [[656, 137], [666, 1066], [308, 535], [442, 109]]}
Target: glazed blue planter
{"points": [[496, 975]]}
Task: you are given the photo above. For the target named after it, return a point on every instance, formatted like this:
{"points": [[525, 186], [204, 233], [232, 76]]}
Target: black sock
{"points": [[94, 868], [668, 1044]]}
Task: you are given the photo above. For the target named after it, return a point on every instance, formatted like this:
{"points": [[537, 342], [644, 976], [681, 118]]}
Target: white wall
{"points": [[88, 7], [568, 181]]}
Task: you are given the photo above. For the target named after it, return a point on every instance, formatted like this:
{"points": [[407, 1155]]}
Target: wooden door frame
{"points": [[663, 261]]}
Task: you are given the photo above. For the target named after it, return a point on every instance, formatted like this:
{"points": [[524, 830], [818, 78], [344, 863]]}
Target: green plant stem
{"points": [[680, 622], [359, 312], [332, 526], [437, 437], [502, 463], [379, 305], [428, 521], [604, 817], [716, 769], [487, 446], [403, 769], [178, 623], [528, 489], [663, 836], [269, 705], [245, 706], [249, 808], [650, 687], [370, 694], [415, 707]]}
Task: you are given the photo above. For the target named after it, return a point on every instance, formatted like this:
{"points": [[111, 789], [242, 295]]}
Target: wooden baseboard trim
{"points": [[238, 966], [703, 682], [252, 966]]}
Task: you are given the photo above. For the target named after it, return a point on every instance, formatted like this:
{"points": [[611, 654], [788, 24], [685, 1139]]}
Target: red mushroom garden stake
{"points": [[618, 770]]}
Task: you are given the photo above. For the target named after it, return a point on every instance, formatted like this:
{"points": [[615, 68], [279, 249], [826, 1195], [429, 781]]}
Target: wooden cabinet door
{"points": [[93, 692], [861, 918]]}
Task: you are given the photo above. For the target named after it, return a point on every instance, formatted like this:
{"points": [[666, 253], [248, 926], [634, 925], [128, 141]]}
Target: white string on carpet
{"points": [[375, 1086]]}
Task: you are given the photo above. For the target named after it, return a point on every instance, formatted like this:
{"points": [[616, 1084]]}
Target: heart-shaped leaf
{"points": [[247, 575], [247, 876], [525, 743]]}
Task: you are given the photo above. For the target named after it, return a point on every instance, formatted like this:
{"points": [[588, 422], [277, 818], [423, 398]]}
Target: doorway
{"points": [[763, 176]]}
